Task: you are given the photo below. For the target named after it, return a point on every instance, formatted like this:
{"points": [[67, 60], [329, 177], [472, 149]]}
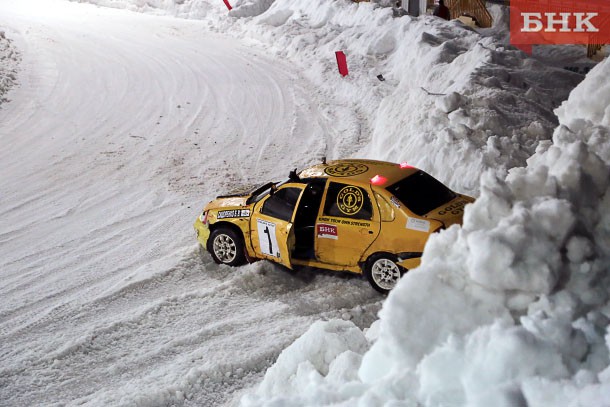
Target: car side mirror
{"points": [[293, 176]]}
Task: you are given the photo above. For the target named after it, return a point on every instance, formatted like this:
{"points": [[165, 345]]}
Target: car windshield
{"points": [[262, 191], [421, 193]]}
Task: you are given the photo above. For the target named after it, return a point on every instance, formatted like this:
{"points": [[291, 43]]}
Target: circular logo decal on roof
{"points": [[349, 200], [346, 169]]}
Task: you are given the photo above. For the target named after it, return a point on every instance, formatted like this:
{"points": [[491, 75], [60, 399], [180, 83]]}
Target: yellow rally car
{"points": [[363, 216]]}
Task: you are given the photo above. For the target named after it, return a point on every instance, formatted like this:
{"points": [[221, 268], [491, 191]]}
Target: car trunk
{"points": [[450, 213]]}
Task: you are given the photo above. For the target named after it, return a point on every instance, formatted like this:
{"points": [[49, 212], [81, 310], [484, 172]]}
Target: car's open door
{"points": [[272, 231]]}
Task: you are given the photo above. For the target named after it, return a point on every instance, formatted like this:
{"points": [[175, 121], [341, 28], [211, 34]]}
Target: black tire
{"points": [[383, 272], [226, 247]]}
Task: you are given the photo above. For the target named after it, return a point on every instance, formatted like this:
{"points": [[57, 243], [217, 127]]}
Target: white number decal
{"points": [[266, 238], [418, 224]]}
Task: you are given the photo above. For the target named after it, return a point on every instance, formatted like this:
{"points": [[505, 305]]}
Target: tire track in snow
{"points": [[181, 330]]}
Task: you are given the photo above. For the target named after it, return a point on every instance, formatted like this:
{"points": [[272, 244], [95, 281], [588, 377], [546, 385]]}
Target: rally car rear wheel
{"points": [[226, 247], [383, 272]]}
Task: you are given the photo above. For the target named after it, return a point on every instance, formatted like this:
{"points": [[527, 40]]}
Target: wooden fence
{"points": [[471, 8]]}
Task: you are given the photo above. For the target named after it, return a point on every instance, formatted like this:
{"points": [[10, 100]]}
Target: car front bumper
{"points": [[203, 232]]}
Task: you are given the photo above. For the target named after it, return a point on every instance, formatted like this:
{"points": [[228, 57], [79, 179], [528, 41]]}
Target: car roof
{"points": [[360, 171]]}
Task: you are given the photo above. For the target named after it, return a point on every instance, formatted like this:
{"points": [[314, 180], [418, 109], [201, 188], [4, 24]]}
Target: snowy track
{"points": [[116, 135]]}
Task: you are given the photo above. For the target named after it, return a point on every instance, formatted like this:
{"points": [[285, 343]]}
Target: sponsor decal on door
{"points": [[326, 231]]}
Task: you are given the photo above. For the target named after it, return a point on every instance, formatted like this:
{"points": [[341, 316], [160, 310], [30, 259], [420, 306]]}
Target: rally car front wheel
{"points": [[226, 247], [383, 272]]}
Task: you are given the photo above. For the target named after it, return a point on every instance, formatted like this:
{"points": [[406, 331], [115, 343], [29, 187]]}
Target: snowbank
{"points": [[309, 358], [513, 308], [250, 8], [9, 59]]}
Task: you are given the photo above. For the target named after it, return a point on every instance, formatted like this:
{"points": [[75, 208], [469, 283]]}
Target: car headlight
{"points": [[203, 217]]}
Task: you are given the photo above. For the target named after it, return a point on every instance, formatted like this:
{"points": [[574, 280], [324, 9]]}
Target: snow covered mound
{"points": [[249, 8], [9, 59], [510, 310]]}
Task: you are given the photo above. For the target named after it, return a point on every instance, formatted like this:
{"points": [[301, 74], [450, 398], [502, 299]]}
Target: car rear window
{"points": [[421, 193]]}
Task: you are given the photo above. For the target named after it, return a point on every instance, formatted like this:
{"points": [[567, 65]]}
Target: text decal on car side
{"points": [[234, 213], [326, 231], [418, 224]]}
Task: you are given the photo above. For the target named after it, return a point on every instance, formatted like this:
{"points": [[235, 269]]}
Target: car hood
{"points": [[228, 202], [452, 212]]}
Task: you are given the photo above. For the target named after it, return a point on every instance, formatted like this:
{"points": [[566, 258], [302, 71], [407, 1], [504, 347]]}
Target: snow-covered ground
{"points": [[9, 61], [122, 125]]}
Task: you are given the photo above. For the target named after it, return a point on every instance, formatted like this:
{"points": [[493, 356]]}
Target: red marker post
{"points": [[227, 4], [341, 63]]}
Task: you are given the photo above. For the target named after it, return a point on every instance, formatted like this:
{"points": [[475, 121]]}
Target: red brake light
{"points": [[378, 180]]}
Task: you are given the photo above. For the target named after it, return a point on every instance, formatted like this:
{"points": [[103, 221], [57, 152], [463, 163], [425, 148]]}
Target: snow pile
{"points": [[310, 356], [9, 59], [510, 310], [589, 103], [249, 8]]}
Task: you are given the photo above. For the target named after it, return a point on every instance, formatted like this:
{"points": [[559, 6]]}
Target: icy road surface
{"points": [[121, 127]]}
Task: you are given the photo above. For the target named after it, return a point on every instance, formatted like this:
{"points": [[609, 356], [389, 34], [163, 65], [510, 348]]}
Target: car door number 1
{"points": [[267, 240], [269, 237]]}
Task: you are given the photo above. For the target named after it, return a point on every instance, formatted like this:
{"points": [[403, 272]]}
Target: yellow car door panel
{"points": [[349, 225], [271, 227]]}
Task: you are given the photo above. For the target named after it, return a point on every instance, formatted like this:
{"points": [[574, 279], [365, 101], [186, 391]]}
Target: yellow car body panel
{"points": [[272, 238], [203, 232], [348, 238], [326, 266], [350, 214], [219, 213]]}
